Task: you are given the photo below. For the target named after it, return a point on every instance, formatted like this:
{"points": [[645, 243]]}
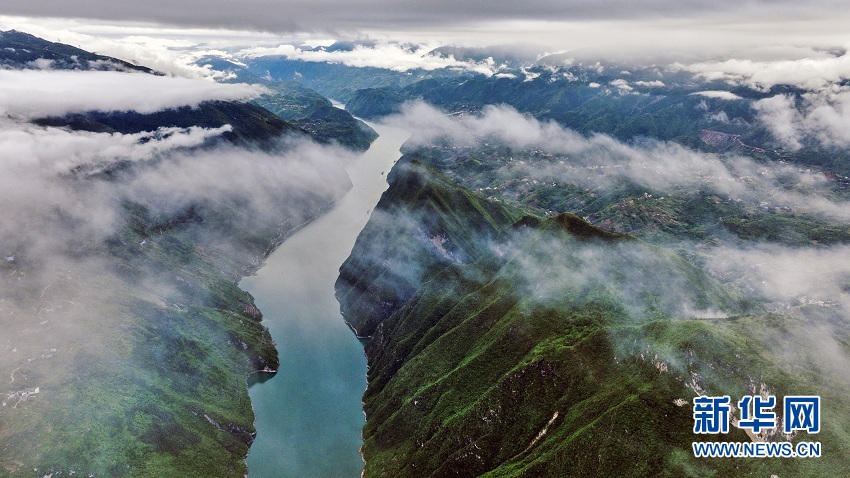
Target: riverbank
{"points": [[309, 416]]}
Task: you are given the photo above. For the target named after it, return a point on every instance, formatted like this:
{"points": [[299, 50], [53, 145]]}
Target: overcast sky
{"points": [[283, 15], [554, 23]]}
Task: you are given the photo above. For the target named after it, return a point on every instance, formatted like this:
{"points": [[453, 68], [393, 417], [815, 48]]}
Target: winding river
{"points": [[309, 416]]}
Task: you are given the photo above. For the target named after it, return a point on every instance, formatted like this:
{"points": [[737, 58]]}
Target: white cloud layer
{"points": [[388, 55], [723, 95], [665, 24], [37, 93], [598, 161], [60, 150], [822, 118], [815, 71]]}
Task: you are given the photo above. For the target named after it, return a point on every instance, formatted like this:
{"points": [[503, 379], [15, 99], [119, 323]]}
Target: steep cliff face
{"points": [[507, 344], [126, 342], [419, 227]]}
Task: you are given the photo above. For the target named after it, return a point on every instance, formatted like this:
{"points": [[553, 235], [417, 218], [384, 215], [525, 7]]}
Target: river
{"points": [[309, 416]]}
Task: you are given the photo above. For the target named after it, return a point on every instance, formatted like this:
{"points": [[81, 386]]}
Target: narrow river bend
{"points": [[309, 416]]}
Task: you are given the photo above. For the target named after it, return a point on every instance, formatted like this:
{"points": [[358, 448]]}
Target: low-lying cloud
{"points": [[599, 161], [809, 285], [787, 277], [821, 118], [812, 70], [61, 150], [32, 94], [645, 280], [388, 55], [70, 305]]}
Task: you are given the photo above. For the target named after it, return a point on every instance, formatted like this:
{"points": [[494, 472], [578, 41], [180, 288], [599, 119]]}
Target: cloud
{"points": [[808, 286], [814, 72], [653, 83], [811, 286], [599, 162], [330, 15], [388, 55], [781, 117], [61, 151], [620, 28], [34, 93], [622, 86], [267, 185], [748, 42], [787, 277], [626, 272], [168, 49], [820, 118], [52, 201], [70, 304], [723, 95]]}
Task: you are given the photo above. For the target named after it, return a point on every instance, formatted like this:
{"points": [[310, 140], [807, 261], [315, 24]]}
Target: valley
{"points": [[519, 263]]}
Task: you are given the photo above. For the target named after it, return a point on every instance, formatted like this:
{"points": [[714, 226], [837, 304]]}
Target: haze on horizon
{"points": [[757, 29]]}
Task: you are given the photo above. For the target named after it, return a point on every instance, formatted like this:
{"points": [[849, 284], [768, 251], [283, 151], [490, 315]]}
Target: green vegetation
{"points": [[338, 81], [418, 192], [374, 103], [537, 355], [150, 380], [128, 352], [614, 201], [316, 115]]}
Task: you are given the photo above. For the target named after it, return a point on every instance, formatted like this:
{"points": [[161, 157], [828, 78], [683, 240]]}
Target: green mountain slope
{"points": [[299, 105], [418, 228], [126, 344], [374, 103], [316, 115], [553, 348], [133, 359], [339, 81], [681, 209], [19, 50]]}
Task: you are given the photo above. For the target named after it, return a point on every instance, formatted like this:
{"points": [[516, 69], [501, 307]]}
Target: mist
{"points": [[809, 286], [806, 284], [820, 119], [600, 162], [32, 94], [85, 270], [388, 55]]}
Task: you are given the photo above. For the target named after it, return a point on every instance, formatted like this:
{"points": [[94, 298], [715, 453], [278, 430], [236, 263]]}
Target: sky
{"points": [[447, 16], [620, 25]]}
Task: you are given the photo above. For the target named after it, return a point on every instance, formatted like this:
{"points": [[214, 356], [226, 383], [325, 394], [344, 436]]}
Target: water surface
{"points": [[309, 416]]}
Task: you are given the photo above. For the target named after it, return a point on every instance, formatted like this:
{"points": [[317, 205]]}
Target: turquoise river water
{"points": [[309, 416]]}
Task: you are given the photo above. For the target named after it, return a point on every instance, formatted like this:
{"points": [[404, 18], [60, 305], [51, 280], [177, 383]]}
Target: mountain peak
{"points": [[23, 51]]}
